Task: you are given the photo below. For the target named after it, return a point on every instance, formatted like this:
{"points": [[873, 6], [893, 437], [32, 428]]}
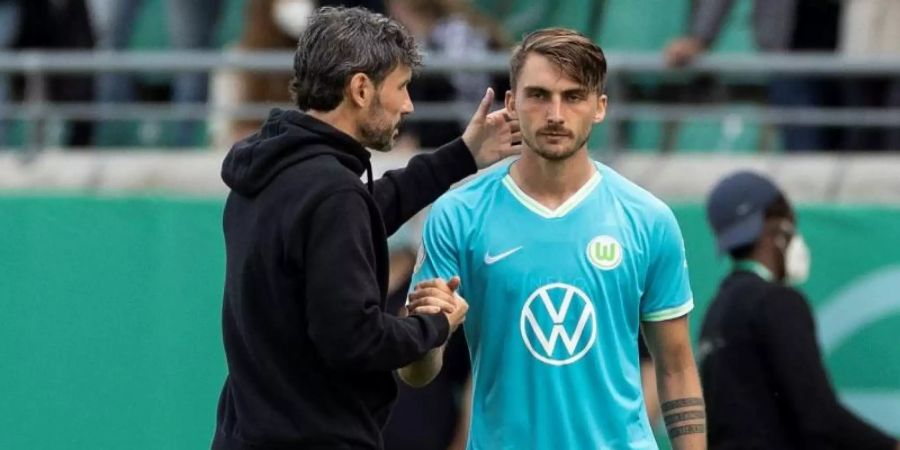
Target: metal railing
{"points": [[36, 67]]}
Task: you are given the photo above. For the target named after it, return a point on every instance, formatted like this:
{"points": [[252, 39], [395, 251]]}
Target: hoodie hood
{"points": [[285, 139]]}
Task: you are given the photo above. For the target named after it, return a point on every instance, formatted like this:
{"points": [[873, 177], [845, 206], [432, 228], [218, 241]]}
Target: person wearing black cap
{"points": [[762, 373]]}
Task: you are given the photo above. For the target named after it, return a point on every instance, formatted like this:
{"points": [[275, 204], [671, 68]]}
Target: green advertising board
{"points": [[110, 313]]}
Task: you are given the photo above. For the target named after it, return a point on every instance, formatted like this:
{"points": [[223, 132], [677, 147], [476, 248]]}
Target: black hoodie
{"points": [[309, 346]]}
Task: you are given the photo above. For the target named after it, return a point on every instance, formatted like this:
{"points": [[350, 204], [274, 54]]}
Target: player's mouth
{"points": [[556, 136], [555, 133]]}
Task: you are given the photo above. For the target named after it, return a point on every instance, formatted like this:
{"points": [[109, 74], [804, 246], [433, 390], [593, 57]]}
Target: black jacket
{"points": [[310, 349], [763, 378]]}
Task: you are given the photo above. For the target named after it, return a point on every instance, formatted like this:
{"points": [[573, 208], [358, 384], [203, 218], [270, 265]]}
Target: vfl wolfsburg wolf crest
{"points": [[605, 252]]}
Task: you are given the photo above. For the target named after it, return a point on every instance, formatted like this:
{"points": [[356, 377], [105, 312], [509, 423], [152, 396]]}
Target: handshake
{"points": [[437, 296]]}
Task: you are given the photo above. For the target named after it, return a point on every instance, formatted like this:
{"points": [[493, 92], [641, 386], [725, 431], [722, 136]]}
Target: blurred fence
{"points": [[623, 68]]}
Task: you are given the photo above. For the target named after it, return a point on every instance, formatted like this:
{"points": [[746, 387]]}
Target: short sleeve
{"points": [[667, 289], [438, 254]]}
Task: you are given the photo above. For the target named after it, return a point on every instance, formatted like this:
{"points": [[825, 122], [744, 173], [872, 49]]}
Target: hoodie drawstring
{"points": [[369, 184]]}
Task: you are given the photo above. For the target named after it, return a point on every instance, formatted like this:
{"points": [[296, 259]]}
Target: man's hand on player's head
{"points": [[437, 296], [492, 137]]}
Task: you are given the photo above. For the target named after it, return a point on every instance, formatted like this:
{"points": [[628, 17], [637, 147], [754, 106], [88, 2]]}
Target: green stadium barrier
{"points": [[110, 311]]}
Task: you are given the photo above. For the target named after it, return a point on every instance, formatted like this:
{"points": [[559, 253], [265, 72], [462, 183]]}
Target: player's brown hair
{"points": [[578, 57]]}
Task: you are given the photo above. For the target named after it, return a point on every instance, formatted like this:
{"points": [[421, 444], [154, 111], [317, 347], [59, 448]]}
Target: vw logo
{"points": [[558, 312]]}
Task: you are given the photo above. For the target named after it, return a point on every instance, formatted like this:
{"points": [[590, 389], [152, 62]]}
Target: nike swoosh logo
{"points": [[488, 259]]}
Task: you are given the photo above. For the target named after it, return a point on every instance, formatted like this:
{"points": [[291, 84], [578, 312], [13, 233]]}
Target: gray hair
{"points": [[340, 42]]}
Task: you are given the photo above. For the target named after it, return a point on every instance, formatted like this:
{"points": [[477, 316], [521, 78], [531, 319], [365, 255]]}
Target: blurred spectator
{"points": [[450, 29], [434, 417], [778, 26], [371, 5], [763, 377], [60, 25], [269, 25], [192, 25], [10, 16], [872, 27]]}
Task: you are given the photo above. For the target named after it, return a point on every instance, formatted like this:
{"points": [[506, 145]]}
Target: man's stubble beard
{"points": [[375, 134]]}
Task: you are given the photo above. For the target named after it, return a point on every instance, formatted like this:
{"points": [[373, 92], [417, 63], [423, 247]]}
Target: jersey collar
{"points": [[563, 209], [749, 265]]}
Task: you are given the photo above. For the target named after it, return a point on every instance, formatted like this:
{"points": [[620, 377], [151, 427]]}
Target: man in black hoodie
{"points": [[309, 346]]}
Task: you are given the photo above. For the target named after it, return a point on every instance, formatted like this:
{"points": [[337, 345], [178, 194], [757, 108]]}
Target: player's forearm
{"points": [[682, 406], [423, 371]]}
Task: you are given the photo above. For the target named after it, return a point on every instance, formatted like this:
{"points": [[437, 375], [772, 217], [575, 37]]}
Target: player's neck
{"points": [[551, 183]]}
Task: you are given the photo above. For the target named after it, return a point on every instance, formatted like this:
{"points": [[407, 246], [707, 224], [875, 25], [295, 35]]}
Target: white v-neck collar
{"points": [[563, 209]]}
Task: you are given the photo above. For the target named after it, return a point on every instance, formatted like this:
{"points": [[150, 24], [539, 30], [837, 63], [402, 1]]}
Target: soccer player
{"points": [[562, 260]]}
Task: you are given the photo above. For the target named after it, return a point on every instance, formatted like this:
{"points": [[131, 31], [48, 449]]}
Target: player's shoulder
{"points": [[472, 194], [632, 196]]}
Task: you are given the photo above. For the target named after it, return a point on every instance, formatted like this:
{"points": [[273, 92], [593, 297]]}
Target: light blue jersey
{"points": [[555, 301]]}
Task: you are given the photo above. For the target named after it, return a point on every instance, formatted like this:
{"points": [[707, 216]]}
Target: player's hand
{"points": [[681, 51], [492, 137], [433, 297], [436, 296]]}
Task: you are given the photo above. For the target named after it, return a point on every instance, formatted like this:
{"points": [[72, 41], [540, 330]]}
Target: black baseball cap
{"points": [[736, 208]]}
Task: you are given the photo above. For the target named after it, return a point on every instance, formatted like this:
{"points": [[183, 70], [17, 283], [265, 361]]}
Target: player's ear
{"points": [[510, 102], [601, 109]]}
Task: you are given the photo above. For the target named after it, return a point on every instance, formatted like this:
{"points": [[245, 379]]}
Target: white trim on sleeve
{"points": [[671, 313]]}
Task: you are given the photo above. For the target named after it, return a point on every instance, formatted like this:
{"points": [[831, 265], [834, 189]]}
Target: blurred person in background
{"points": [[309, 345], [269, 25], [778, 26], [435, 417], [763, 377], [10, 19], [872, 27], [60, 25], [192, 26], [447, 29], [372, 5]]}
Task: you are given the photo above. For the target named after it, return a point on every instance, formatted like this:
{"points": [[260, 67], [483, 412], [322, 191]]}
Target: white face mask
{"points": [[796, 259], [291, 15]]}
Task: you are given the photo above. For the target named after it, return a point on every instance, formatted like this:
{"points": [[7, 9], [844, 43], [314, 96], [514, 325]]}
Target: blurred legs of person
{"points": [[114, 30], [793, 92], [192, 25], [9, 28], [866, 93], [892, 138]]}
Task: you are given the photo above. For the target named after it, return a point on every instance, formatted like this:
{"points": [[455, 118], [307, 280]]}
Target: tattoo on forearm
{"points": [[681, 403], [674, 418], [686, 429], [679, 413]]}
